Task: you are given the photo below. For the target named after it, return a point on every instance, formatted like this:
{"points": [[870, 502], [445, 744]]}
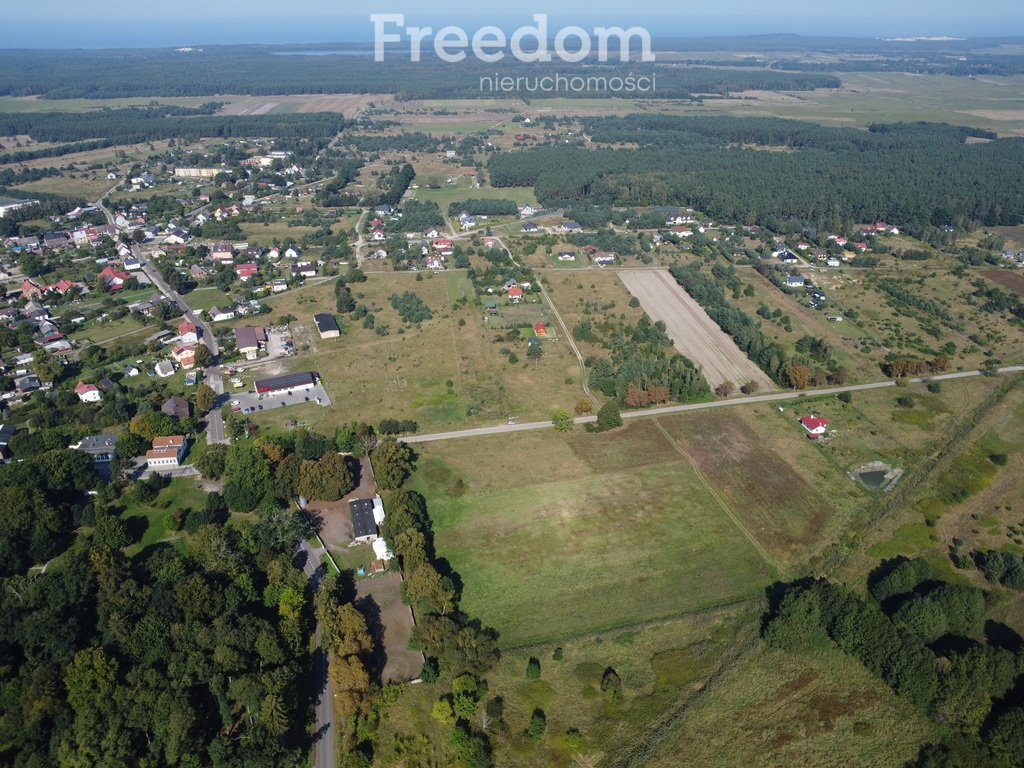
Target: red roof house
{"points": [[246, 271], [113, 279], [815, 426], [539, 329], [515, 293]]}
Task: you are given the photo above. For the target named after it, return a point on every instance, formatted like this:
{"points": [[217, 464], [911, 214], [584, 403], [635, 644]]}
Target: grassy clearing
{"points": [[568, 550], [205, 298], [98, 333], [154, 522], [451, 193], [35, 104], [446, 371], [785, 709]]}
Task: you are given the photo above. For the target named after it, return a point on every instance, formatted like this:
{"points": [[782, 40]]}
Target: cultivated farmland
{"points": [[694, 333]]}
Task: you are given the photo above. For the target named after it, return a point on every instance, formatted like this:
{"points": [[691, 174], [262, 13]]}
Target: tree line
{"points": [[928, 640]]}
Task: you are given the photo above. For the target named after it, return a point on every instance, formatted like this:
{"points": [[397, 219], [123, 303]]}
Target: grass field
{"points": [[35, 104], [447, 371], [451, 193], [97, 333], [812, 710], [154, 521], [566, 545]]}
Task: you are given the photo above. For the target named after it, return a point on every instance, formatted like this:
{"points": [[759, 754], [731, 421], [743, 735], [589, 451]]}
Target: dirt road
{"points": [[693, 333]]}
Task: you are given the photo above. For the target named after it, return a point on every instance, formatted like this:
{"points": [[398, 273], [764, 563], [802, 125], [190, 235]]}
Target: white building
{"points": [[167, 452]]}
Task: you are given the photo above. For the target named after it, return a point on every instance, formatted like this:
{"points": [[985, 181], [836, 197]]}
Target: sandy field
{"points": [[693, 333]]}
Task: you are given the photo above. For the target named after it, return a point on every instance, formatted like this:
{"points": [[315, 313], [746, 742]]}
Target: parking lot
{"points": [[250, 402]]}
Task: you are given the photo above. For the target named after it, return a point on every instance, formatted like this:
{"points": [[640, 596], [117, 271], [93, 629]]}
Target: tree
{"points": [[535, 352], [393, 462], [538, 724], [211, 463], [327, 479], [584, 406], [286, 477], [562, 420], [725, 389], [750, 387], [203, 355], [247, 476], [533, 669], [798, 376], [608, 416], [205, 398]]}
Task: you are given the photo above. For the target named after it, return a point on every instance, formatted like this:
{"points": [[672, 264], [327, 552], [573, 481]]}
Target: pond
{"points": [[874, 479]]}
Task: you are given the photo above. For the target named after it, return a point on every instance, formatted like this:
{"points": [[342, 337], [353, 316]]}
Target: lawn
{"points": [[97, 332], [566, 545], [154, 522], [205, 298]]}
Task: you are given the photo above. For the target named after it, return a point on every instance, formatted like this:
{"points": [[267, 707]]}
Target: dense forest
{"points": [[106, 74], [915, 175], [138, 124]]}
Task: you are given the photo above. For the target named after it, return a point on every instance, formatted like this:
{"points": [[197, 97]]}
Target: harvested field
{"points": [[694, 333], [1012, 279], [347, 104]]}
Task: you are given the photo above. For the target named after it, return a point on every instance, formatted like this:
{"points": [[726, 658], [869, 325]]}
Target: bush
{"points": [[608, 416], [538, 724], [533, 669], [845, 397]]}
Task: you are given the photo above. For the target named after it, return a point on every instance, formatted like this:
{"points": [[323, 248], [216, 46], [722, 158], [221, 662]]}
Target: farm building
{"points": [[364, 525], [815, 426], [327, 325], [287, 383]]}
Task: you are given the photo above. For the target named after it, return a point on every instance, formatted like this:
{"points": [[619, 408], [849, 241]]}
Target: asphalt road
{"points": [[324, 744], [214, 420], [501, 429]]}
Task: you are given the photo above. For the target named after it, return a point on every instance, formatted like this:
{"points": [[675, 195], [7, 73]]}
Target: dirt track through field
{"points": [[693, 333]]}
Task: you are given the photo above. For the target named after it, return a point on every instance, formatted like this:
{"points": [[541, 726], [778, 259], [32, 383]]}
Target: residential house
{"points": [[832, 261], [490, 242], [527, 210], [100, 448], [540, 330], [88, 393], [529, 226], [217, 314], [293, 253], [113, 279], [432, 233], [795, 281], [249, 340], [222, 252], [569, 226], [304, 269], [184, 355], [278, 285], [681, 231], [604, 259], [567, 256], [132, 264], [27, 383], [166, 453], [378, 235], [131, 371], [515, 294], [246, 272], [198, 272], [814, 425], [188, 332], [176, 407], [164, 368], [444, 247]]}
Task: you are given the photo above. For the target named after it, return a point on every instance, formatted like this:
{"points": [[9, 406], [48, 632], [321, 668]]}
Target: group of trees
{"points": [[916, 633], [96, 676], [484, 207], [392, 186], [410, 307], [133, 125], [768, 355], [642, 368], [418, 216]]}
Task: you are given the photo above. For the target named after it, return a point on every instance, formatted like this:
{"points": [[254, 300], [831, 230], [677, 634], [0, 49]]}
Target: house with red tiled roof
{"points": [[815, 426], [515, 294], [246, 271], [539, 329], [188, 332], [113, 279], [88, 393]]}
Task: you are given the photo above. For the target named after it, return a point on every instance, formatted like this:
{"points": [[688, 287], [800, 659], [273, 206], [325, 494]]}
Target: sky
{"points": [[131, 23]]}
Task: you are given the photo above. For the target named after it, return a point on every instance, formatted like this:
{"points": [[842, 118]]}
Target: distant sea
{"points": [[65, 32]]}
